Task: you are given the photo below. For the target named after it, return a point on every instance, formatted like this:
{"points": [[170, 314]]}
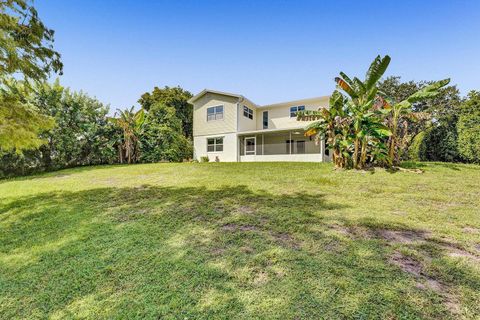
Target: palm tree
{"points": [[131, 124]]}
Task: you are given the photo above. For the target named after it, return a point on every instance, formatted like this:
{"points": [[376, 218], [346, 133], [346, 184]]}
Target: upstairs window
{"points": [[265, 119], [247, 112], [215, 113], [294, 110], [215, 144]]}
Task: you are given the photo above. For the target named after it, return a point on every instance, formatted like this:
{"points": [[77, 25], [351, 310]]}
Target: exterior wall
{"points": [[244, 123], [230, 147], [228, 124], [279, 114]]}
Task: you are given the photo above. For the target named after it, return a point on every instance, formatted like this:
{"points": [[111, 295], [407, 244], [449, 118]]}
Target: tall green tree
{"points": [[468, 128], [402, 112], [26, 44], [162, 138], [82, 136], [435, 118], [26, 50], [21, 122], [131, 124], [176, 98]]}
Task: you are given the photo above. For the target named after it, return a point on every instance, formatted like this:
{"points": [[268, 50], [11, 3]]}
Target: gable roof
{"points": [[241, 98], [205, 91]]}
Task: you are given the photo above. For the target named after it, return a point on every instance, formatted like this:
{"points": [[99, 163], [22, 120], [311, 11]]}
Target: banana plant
{"points": [[363, 95], [330, 123], [403, 109]]}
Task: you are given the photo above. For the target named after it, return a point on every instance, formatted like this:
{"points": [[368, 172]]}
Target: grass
{"points": [[241, 241]]}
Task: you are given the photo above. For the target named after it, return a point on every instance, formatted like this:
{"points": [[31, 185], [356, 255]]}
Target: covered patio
{"points": [[280, 145]]}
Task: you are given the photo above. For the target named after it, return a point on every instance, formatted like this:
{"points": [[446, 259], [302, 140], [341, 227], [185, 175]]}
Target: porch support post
{"points": [[263, 145], [290, 141]]}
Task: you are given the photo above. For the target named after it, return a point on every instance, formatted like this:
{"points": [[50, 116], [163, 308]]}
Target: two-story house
{"points": [[229, 127]]}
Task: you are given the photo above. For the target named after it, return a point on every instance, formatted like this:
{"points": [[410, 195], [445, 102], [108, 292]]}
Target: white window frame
{"points": [[295, 109], [215, 144], [247, 112], [254, 146], [216, 114]]}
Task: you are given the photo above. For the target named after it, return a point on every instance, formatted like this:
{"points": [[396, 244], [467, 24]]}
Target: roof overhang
{"points": [[241, 133], [205, 91]]}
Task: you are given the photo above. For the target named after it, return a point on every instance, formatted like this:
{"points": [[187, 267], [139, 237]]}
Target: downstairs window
{"points": [[215, 144]]}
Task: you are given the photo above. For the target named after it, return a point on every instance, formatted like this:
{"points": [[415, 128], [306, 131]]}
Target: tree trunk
{"points": [[393, 140], [120, 153], [363, 156], [355, 153]]}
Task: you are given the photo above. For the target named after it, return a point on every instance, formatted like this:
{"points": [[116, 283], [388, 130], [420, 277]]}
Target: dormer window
{"points": [[247, 112], [215, 113], [294, 110]]}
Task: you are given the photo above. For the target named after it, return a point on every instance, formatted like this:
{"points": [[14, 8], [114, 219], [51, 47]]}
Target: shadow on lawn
{"points": [[152, 252]]}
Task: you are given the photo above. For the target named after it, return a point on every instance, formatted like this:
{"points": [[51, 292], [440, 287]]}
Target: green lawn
{"points": [[241, 241]]}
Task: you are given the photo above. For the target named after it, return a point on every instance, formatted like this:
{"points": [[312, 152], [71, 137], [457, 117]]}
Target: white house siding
{"points": [[203, 127], [244, 123], [229, 153], [279, 114]]}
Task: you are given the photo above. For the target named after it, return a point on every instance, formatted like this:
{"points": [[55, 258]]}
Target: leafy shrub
{"points": [[162, 138], [81, 135], [418, 148], [468, 128], [204, 159], [437, 143]]}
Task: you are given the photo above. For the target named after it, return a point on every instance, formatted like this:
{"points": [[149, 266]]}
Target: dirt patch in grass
{"points": [[245, 210], [423, 281], [341, 229], [354, 232], [247, 249], [407, 264], [359, 232], [454, 250], [286, 240], [471, 230], [402, 236], [237, 227], [408, 237], [260, 278], [333, 246], [217, 251]]}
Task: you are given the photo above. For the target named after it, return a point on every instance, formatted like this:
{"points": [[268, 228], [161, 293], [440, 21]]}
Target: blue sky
{"points": [[269, 51]]}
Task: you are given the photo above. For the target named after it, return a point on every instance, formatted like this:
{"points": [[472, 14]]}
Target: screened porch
{"points": [[286, 145]]}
